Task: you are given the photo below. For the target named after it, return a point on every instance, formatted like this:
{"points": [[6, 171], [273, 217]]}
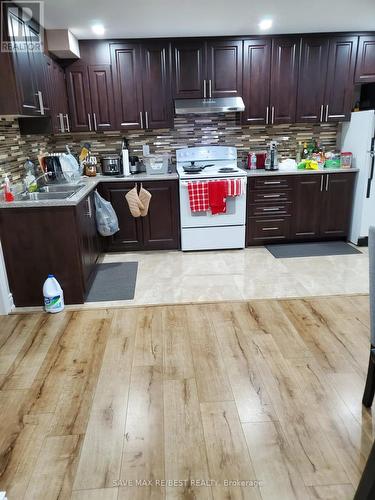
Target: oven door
{"points": [[235, 214]]}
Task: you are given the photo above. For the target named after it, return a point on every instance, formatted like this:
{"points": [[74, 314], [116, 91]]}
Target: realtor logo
{"points": [[22, 26]]}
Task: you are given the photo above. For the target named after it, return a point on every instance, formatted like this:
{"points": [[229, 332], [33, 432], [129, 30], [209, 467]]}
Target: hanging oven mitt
{"points": [[145, 198], [135, 204]]}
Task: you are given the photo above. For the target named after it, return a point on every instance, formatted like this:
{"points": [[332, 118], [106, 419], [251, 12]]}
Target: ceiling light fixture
{"points": [[98, 29], [265, 24]]}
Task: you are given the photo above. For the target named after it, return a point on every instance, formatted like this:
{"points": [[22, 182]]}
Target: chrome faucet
{"points": [[27, 186]]}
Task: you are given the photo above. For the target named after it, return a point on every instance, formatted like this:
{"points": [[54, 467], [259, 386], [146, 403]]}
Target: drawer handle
{"points": [[272, 182], [270, 228], [271, 209], [271, 195]]}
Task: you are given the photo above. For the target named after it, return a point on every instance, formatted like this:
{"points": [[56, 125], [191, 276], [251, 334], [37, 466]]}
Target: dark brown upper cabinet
{"points": [[284, 78], [157, 90], [60, 118], [142, 84], [207, 69], [224, 68], [90, 94], [189, 69], [365, 69], [256, 80], [340, 74], [325, 86], [312, 77]]}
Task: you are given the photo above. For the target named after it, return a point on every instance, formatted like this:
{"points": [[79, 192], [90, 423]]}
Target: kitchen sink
{"points": [[44, 196], [60, 188]]}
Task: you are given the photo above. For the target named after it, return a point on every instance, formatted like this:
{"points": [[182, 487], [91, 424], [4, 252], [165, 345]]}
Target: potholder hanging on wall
{"points": [[145, 198]]}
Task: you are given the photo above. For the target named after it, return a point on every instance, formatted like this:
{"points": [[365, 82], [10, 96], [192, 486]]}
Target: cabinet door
{"points": [[157, 97], [337, 204], [59, 99], [126, 70], [79, 99], [23, 67], [161, 225], [307, 206], [189, 69], [365, 69], [130, 236], [224, 68], [89, 239], [284, 77], [339, 84], [311, 80], [256, 81], [101, 92]]}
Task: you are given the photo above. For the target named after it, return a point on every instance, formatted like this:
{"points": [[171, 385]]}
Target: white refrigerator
{"points": [[358, 137]]}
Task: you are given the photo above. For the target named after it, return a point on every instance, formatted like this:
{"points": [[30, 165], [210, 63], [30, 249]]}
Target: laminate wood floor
{"points": [[241, 400]]}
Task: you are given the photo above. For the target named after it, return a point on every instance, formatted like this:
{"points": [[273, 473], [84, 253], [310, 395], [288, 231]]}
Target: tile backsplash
{"points": [[190, 130]]}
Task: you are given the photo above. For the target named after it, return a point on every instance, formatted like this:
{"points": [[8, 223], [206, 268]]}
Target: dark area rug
{"points": [[114, 281], [289, 250]]}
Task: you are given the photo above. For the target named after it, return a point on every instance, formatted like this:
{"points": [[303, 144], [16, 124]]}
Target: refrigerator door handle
{"points": [[371, 174]]}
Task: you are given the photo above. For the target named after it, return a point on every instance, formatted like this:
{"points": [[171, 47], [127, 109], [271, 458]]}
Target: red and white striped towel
{"points": [[234, 187], [198, 196]]}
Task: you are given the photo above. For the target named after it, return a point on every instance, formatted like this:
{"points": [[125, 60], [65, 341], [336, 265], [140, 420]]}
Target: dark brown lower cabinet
{"points": [[159, 230], [57, 240], [302, 207]]}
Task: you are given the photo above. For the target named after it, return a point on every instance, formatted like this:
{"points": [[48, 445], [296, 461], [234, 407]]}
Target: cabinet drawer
{"points": [[262, 230], [270, 209], [271, 182], [270, 197]]}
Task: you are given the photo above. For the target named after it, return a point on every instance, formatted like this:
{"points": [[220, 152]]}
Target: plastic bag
{"points": [[106, 218]]}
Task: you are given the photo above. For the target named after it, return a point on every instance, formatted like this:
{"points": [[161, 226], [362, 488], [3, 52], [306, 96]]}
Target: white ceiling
{"points": [[174, 18]]}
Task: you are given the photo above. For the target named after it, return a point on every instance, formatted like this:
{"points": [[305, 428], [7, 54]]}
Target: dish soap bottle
{"points": [[53, 295], [8, 195]]}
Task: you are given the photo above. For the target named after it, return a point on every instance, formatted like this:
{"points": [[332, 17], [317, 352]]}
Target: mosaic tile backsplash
{"points": [[190, 130]]}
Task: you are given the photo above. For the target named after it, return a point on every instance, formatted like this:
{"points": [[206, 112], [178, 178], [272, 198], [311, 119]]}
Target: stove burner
{"points": [[227, 169]]}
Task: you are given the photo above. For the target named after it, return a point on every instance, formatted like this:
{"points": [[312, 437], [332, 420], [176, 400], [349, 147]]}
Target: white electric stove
{"points": [[202, 230]]}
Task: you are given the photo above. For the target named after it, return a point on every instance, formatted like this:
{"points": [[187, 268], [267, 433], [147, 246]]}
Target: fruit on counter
{"points": [[308, 165]]}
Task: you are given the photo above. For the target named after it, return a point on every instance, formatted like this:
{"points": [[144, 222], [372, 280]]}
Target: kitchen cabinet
{"points": [[90, 95], [337, 205], [142, 85], [89, 239], [325, 86], [256, 81], [60, 119], [58, 240], [159, 230], [303, 207], [205, 69], [365, 67], [284, 78]]}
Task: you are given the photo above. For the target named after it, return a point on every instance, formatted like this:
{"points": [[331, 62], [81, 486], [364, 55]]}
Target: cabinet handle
{"points": [[267, 114], [61, 119], [273, 115], [67, 122], [272, 182], [321, 182], [204, 90], [276, 209], [271, 195], [321, 112], [270, 228], [327, 182], [89, 117], [89, 212], [146, 117], [210, 88], [40, 99], [95, 124], [327, 113], [141, 117]]}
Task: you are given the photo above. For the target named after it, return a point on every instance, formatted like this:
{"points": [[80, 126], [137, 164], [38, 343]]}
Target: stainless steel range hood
{"points": [[206, 106]]}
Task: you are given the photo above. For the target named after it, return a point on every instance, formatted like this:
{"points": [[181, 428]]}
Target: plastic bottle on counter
{"points": [[8, 195], [53, 295], [253, 161]]}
